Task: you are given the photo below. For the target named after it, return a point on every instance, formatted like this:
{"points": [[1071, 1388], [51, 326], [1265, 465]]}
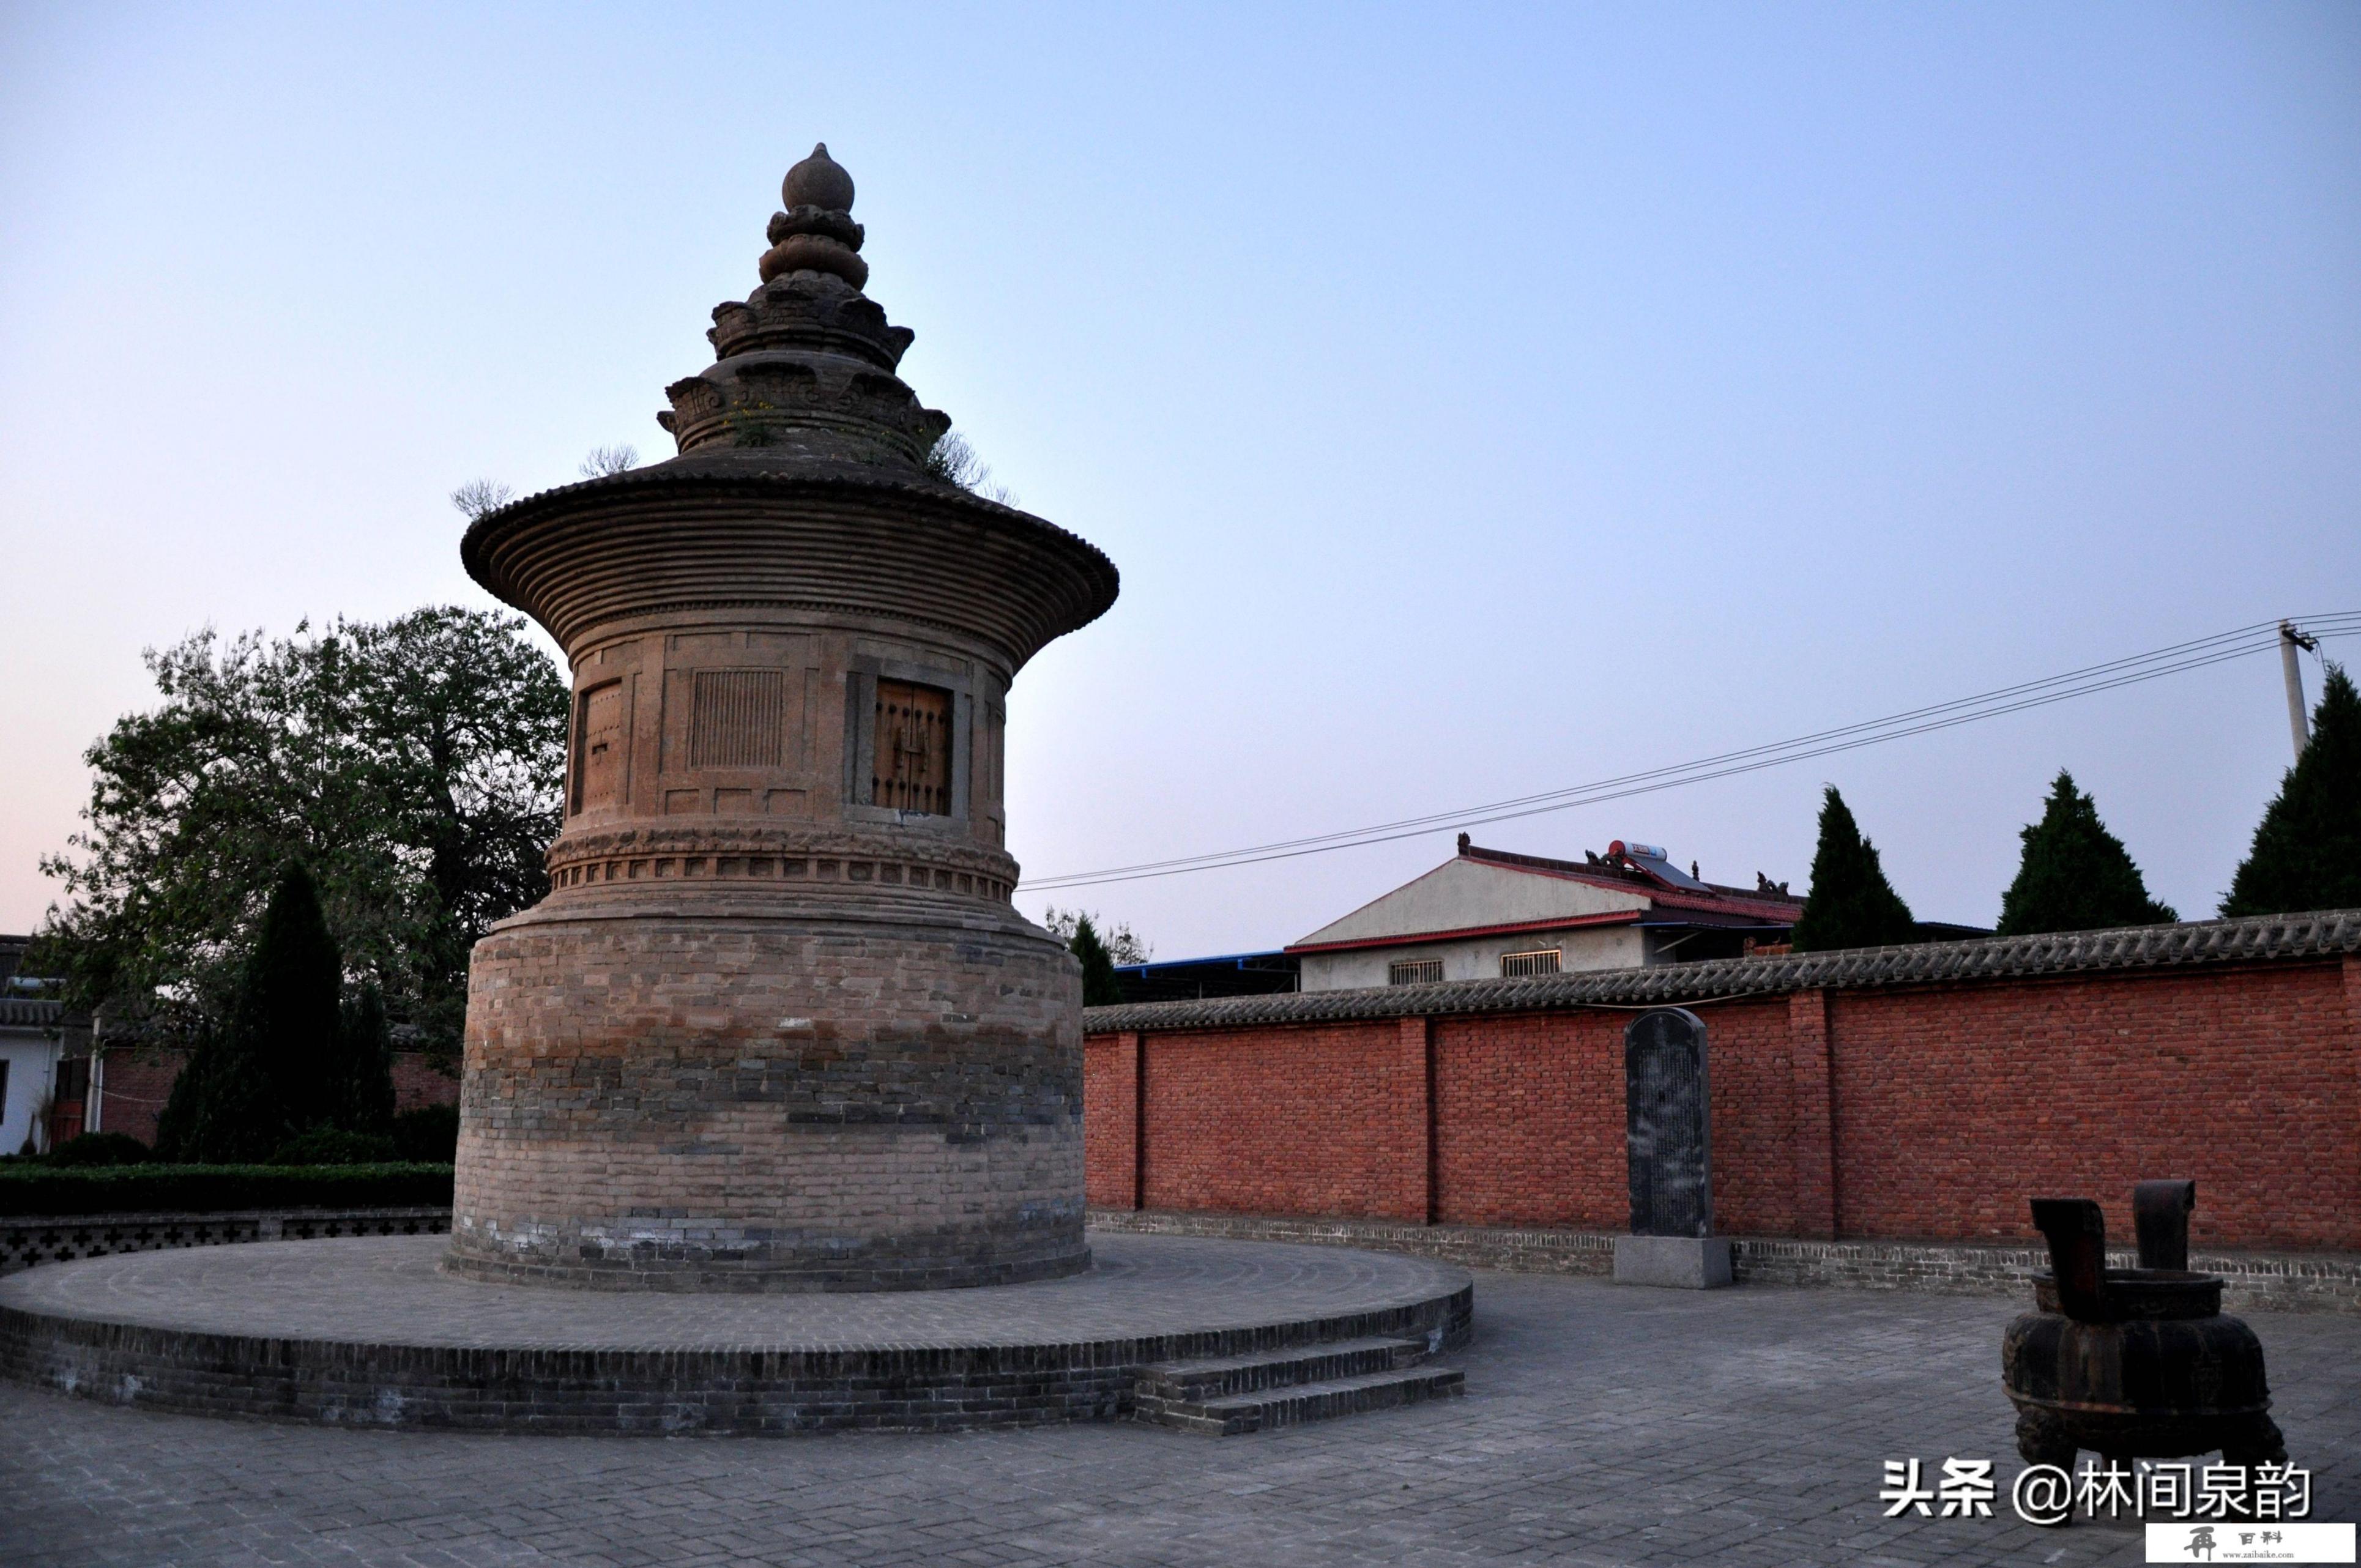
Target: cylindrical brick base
{"points": [[778, 1097]]}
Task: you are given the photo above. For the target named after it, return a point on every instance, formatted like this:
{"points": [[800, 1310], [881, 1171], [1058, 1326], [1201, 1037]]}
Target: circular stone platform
{"points": [[368, 1331]]}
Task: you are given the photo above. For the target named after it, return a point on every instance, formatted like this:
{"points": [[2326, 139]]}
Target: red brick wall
{"points": [[1925, 1113], [1303, 1125], [1522, 1133], [1951, 1106], [137, 1083], [140, 1082], [416, 1083], [1110, 1105]]}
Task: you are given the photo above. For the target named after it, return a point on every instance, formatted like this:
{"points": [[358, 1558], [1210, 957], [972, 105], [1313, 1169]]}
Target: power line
{"points": [[2175, 659], [2245, 635]]}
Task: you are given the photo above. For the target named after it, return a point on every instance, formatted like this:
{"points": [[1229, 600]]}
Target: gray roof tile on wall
{"points": [[28, 1012], [2327, 933]]}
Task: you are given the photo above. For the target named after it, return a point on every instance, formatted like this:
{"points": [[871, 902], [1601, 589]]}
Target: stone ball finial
{"points": [[817, 233], [817, 182]]}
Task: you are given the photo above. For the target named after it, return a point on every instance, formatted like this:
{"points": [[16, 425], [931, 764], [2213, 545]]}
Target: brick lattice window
{"points": [[738, 718], [1414, 972], [1541, 961], [912, 771]]}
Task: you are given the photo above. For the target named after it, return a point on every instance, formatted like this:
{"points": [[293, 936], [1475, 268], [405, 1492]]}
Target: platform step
{"points": [[1194, 1382], [1291, 1404]]}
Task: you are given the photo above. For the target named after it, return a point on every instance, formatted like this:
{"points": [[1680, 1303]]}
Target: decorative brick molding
{"points": [[26, 1241], [2287, 1282], [800, 860]]}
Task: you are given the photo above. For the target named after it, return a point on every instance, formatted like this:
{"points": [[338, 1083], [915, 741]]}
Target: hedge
{"points": [[31, 1189]]}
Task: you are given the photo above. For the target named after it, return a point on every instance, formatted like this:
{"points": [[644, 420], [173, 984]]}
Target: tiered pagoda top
{"points": [[804, 367], [799, 416]]}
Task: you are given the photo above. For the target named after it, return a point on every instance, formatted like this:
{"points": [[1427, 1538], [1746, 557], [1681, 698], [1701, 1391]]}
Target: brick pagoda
{"points": [[777, 1025]]}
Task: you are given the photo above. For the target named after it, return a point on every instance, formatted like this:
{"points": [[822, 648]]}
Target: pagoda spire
{"points": [[815, 234], [803, 370]]}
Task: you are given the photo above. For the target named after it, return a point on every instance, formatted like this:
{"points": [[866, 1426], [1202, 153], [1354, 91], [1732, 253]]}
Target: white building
{"points": [[36, 1035], [29, 1048], [1490, 913]]}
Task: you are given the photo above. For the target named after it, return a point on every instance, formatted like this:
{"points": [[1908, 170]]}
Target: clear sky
{"points": [[1476, 400]]}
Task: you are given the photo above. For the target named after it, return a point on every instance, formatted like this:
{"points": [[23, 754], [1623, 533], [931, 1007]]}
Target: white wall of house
{"points": [[1478, 957], [31, 1064], [1462, 893]]}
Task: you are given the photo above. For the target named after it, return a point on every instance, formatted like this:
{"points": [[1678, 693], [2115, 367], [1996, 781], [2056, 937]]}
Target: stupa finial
{"points": [[818, 181], [815, 234]]}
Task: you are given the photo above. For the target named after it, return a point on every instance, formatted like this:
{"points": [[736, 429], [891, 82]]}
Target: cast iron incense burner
{"points": [[2133, 1363]]}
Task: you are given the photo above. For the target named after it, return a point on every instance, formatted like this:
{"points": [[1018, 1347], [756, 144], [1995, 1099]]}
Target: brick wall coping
{"points": [[2323, 934]]}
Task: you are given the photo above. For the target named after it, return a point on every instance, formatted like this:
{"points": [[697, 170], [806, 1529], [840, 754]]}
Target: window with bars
{"points": [[912, 766], [738, 718], [1414, 972], [1541, 961]]}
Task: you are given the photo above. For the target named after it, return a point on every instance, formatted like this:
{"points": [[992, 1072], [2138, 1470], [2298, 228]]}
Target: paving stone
{"points": [[1601, 1425], [372, 1331]]}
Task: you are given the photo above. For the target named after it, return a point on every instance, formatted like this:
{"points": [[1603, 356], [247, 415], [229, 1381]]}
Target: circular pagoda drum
{"points": [[777, 1025]]}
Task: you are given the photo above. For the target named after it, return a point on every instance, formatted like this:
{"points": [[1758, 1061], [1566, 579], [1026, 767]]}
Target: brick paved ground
{"points": [[367, 1288], [1602, 1425]]}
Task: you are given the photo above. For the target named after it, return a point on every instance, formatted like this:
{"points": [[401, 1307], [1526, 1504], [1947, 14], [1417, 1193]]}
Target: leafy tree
{"points": [[1124, 945], [429, 1134], [1099, 986], [1850, 904], [466, 722], [296, 1058], [333, 1145], [360, 1091], [2307, 849], [415, 766], [2075, 875], [269, 1070]]}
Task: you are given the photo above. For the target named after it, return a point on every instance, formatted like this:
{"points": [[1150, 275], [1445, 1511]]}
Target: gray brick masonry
{"points": [[2286, 1282], [371, 1333]]}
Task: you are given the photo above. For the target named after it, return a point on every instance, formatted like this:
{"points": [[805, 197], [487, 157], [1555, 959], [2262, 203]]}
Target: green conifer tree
{"points": [[2307, 850], [1850, 904], [363, 1072], [2075, 875], [270, 1069], [1099, 986]]}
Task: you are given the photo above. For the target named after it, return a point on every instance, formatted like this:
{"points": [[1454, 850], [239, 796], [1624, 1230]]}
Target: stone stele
{"points": [[1667, 1142], [777, 1025]]}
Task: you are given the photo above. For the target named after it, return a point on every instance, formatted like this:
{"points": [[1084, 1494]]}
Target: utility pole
{"points": [[2289, 641]]}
